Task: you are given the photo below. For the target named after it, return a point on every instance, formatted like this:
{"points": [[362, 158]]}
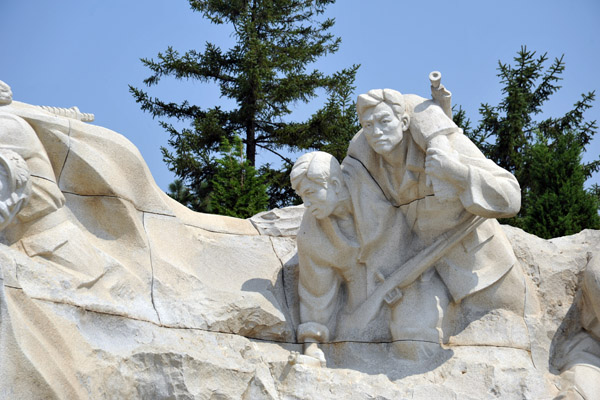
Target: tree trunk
{"points": [[251, 142]]}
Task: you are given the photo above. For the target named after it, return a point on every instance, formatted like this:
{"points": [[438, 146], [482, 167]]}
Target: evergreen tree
{"points": [[337, 123], [237, 189], [557, 204], [264, 73], [506, 129], [594, 190], [329, 129], [544, 156], [178, 191]]}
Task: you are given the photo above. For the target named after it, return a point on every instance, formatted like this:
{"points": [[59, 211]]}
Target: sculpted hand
{"points": [[314, 351], [446, 166]]}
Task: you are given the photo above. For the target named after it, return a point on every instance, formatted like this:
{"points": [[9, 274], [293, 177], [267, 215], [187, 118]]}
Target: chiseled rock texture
{"points": [[134, 296], [212, 342]]}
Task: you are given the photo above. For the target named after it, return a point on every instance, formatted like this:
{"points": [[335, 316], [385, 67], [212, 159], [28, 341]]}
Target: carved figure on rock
{"points": [[328, 248], [580, 369], [332, 277], [15, 185], [422, 164], [97, 234], [110, 288], [43, 227], [423, 201]]}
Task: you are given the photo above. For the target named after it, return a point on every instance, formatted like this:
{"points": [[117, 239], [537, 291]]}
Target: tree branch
{"points": [[276, 153]]}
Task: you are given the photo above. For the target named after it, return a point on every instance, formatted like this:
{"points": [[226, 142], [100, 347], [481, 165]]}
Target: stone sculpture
{"points": [[83, 223], [411, 225], [110, 289], [328, 248], [580, 358], [15, 186]]}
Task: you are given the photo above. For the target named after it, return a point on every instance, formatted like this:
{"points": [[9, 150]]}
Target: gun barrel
{"points": [[435, 78]]}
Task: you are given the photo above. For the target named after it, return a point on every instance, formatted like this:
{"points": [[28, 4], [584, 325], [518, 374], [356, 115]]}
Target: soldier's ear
{"points": [[405, 121], [336, 184]]}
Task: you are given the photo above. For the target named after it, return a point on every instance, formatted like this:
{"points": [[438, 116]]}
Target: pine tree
{"points": [[237, 189], [506, 129], [545, 156], [557, 204], [264, 73], [178, 191], [337, 122], [329, 129], [594, 191]]}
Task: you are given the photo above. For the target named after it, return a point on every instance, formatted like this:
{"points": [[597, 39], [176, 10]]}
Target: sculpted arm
{"points": [[318, 289], [484, 188]]}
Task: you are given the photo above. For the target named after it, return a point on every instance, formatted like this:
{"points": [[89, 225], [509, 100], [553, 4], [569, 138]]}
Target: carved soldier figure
{"points": [[422, 164], [328, 249], [580, 355], [424, 201]]}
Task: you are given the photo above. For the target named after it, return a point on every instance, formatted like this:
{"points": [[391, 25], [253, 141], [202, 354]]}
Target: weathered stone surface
{"points": [[279, 222], [109, 353], [100, 236], [111, 290]]}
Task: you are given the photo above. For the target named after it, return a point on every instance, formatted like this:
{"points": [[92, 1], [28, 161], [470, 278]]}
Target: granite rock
{"points": [[109, 289]]}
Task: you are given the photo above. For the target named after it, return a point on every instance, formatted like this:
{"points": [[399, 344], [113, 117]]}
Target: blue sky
{"points": [[85, 53]]}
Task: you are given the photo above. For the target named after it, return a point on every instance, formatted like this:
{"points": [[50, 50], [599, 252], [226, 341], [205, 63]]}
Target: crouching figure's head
{"points": [[317, 178]]}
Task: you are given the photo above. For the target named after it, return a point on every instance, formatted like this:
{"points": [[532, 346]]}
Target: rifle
{"points": [[390, 290]]}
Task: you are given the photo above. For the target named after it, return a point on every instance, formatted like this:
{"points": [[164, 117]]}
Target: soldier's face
{"points": [[383, 130], [320, 200]]}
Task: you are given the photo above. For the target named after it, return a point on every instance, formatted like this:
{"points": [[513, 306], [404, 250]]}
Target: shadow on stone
{"points": [[274, 294], [383, 358]]}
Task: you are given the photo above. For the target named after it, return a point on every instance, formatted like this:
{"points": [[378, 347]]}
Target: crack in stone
{"points": [[256, 227], [151, 268], [287, 306], [263, 340], [42, 177], [112, 196], [13, 287], [382, 191], [66, 303], [156, 213], [525, 319], [221, 232], [62, 168]]}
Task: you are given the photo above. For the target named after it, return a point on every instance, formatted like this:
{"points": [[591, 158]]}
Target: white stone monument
{"points": [[402, 284]]}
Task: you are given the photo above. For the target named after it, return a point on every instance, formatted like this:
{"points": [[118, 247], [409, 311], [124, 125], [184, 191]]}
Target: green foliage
{"points": [[265, 72], [178, 191], [280, 191], [237, 189], [329, 129], [557, 205], [594, 191], [337, 122], [545, 156]]}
